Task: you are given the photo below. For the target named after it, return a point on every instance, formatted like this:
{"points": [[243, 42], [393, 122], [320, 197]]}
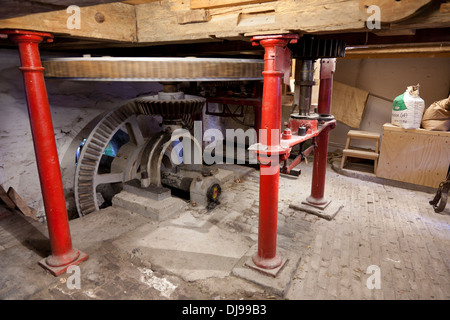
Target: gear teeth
{"points": [[151, 105]]}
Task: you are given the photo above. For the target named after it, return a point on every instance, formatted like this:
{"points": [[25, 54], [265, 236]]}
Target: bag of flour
{"points": [[407, 109], [437, 116]]}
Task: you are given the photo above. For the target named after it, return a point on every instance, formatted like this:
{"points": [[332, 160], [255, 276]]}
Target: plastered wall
{"points": [[73, 105]]}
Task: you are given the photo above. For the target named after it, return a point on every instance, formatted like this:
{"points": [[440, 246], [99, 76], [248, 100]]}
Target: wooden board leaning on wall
{"points": [[348, 104]]}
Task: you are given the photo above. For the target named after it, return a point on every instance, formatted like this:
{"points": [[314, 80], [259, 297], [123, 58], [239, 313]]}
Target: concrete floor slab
{"points": [[231, 172], [187, 247], [104, 225]]}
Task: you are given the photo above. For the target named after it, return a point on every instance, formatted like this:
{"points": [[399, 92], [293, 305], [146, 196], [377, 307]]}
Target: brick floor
{"points": [[393, 229]]}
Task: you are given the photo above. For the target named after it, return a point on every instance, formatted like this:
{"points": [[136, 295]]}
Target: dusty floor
{"points": [[193, 254]]}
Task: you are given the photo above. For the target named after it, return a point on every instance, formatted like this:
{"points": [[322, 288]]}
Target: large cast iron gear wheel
{"points": [[310, 47], [87, 176], [126, 165], [171, 109]]}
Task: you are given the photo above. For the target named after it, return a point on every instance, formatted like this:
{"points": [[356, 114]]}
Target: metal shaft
{"points": [[45, 148], [306, 80]]}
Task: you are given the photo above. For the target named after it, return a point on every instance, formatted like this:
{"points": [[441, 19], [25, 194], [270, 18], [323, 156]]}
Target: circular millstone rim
{"points": [[153, 69]]}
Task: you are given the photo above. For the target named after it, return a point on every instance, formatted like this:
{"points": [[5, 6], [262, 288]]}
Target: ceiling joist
{"points": [[163, 22]]}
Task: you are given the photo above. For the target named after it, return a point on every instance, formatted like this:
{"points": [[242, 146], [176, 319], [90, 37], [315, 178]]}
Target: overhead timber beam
{"points": [[431, 17], [19, 8], [104, 22], [159, 22], [237, 19]]}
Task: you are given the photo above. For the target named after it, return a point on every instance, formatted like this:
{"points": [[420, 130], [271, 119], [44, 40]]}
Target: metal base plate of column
{"points": [[320, 206], [276, 280], [326, 211], [56, 271], [270, 272]]}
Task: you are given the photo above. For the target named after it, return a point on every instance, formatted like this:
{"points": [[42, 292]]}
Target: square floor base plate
{"points": [[328, 213], [56, 271], [276, 280], [270, 272]]}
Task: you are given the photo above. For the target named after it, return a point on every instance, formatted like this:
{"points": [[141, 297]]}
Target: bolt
{"points": [[99, 17]]}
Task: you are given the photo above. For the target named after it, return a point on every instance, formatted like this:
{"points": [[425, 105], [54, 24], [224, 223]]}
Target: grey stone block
{"points": [[151, 192], [150, 208]]}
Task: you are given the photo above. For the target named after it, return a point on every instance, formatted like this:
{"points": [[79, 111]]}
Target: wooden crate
{"points": [[415, 156]]}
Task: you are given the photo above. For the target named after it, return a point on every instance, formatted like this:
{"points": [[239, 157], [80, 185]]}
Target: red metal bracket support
{"points": [[277, 62], [63, 255], [317, 198]]}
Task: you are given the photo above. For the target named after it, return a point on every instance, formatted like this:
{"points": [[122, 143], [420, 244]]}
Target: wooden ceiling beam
{"points": [[20, 8], [112, 22], [157, 21], [150, 22]]}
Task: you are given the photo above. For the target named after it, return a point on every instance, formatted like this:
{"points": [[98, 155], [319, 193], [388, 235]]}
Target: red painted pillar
{"points": [[277, 61], [317, 198], [63, 255]]}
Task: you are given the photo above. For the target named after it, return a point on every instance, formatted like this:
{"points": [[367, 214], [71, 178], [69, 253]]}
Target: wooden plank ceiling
{"points": [[228, 24]]}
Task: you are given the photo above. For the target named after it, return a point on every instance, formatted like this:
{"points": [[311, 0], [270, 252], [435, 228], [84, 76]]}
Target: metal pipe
{"points": [[277, 59], [320, 154], [46, 153]]}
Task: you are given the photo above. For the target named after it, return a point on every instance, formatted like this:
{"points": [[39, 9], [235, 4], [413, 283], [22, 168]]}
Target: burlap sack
{"points": [[437, 116]]}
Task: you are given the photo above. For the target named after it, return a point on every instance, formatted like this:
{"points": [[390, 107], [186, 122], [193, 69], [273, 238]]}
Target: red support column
{"points": [[320, 154], [63, 255], [277, 62]]}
